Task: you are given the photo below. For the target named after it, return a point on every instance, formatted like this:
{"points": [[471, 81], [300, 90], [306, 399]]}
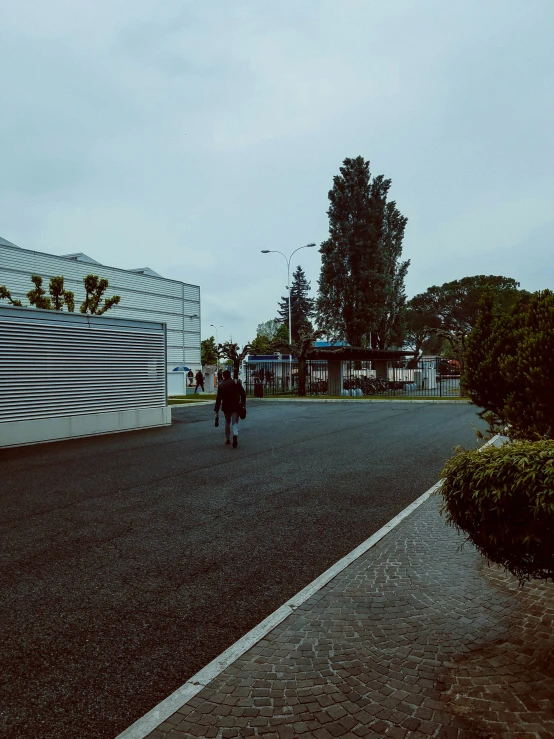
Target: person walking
{"points": [[230, 397], [199, 381]]}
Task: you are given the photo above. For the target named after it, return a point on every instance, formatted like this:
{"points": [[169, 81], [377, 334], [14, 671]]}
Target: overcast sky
{"points": [[187, 136]]}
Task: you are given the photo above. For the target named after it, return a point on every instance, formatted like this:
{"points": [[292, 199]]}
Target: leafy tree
{"points": [[268, 329], [361, 285], [281, 337], [450, 311], [60, 296], [391, 327], [234, 354], [5, 294], [265, 344], [37, 296], [301, 306], [421, 324], [208, 352], [95, 287], [261, 345], [509, 368]]}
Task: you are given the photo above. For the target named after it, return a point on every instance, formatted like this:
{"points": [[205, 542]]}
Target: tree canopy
{"points": [[95, 287], [270, 336], [268, 329], [361, 285], [450, 311], [208, 352], [301, 306], [231, 351]]}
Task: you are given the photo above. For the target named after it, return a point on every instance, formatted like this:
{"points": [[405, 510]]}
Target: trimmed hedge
{"points": [[503, 499]]}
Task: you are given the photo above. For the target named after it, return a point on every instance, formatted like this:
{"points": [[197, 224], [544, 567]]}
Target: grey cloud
{"points": [[189, 137]]}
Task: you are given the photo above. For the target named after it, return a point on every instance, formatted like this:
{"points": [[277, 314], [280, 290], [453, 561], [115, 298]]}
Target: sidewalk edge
{"points": [[143, 726]]}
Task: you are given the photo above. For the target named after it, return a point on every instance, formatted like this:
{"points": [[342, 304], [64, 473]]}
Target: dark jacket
{"points": [[230, 396]]}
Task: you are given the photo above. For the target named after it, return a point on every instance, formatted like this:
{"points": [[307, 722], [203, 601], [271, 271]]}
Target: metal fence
{"points": [[55, 365], [281, 377], [430, 377]]}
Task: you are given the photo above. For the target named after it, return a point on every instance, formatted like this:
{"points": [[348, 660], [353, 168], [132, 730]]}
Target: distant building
{"points": [[145, 295]]}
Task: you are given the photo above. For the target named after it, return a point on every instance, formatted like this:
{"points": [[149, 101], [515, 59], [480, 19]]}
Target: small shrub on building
{"points": [[95, 287], [503, 499]]}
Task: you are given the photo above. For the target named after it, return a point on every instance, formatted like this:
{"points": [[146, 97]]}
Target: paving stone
{"points": [[415, 639]]}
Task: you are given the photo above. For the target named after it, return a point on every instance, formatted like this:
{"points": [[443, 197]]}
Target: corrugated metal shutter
{"points": [[57, 364]]}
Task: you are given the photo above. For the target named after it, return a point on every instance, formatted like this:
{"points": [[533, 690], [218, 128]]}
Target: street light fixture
{"points": [[217, 339], [287, 259]]}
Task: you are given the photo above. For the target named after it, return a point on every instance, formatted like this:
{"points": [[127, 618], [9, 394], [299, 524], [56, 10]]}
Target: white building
{"points": [[145, 295]]}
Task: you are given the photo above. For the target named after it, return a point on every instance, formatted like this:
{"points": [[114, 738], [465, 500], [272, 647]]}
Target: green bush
{"points": [[503, 499], [509, 367]]}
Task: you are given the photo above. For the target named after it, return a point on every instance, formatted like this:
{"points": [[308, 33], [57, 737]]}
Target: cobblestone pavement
{"points": [[415, 639]]}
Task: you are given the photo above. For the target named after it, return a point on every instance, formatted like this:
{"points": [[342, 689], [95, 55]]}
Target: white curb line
{"points": [[187, 403], [201, 679], [346, 399]]}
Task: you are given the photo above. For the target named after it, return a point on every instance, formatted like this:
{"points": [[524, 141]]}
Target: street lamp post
{"points": [[289, 288], [217, 340]]}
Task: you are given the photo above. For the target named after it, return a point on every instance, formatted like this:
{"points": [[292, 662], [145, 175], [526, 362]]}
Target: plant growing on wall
{"points": [[60, 296], [94, 288], [5, 294], [37, 296]]}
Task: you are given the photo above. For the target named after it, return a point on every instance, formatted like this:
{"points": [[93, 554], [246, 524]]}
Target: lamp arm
{"points": [[294, 252]]}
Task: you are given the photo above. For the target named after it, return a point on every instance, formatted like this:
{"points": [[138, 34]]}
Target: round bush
{"points": [[503, 499]]}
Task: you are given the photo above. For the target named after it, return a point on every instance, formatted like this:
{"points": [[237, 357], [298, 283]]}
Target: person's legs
{"points": [[228, 427], [235, 427]]}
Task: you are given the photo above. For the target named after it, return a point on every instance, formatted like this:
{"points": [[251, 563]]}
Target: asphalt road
{"points": [[130, 561]]}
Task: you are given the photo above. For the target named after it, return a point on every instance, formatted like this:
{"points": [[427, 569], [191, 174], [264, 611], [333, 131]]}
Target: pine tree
{"points": [[361, 285], [301, 306]]}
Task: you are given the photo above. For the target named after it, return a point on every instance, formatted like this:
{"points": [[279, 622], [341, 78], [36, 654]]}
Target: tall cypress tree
{"points": [[361, 285], [301, 306], [390, 328]]}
